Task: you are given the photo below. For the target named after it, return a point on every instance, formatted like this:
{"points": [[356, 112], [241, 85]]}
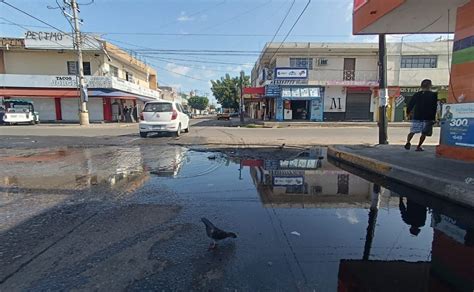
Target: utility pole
{"points": [[83, 113], [242, 106], [383, 91]]}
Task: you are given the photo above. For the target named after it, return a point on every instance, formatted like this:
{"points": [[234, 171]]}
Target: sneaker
{"points": [[419, 149], [407, 146]]}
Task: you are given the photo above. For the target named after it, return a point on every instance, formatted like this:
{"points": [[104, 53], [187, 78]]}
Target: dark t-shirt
{"points": [[425, 104]]}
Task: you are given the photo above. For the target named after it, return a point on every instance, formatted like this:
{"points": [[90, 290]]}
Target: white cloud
{"points": [[348, 215], [183, 17], [177, 69]]}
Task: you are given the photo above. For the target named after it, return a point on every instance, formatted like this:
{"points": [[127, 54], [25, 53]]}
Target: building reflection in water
{"points": [[307, 181], [77, 169]]}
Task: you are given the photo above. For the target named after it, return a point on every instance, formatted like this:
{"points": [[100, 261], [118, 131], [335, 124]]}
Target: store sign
{"points": [[300, 92], [70, 81], [11, 42], [290, 82], [272, 90], [58, 40], [335, 100], [347, 83], [288, 181], [291, 73], [457, 126]]}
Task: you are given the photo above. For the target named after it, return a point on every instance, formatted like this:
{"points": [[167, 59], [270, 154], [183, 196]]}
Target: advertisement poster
{"points": [[457, 125], [279, 110], [286, 92], [317, 110], [295, 92], [291, 73]]}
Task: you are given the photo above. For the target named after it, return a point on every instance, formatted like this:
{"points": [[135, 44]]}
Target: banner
{"points": [[457, 125]]}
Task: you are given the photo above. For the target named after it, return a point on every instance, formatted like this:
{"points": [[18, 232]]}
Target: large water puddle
{"points": [[302, 223]]}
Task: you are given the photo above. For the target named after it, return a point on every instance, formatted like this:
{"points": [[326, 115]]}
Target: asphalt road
{"points": [[101, 209], [206, 132]]}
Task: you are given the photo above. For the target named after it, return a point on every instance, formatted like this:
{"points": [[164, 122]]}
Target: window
{"points": [[158, 107], [114, 71], [301, 63], [419, 62], [72, 67], [128, 76]]}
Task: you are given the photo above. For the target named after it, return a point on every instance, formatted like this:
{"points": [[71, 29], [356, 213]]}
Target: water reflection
{"points": [[74, 169], [307, 181]]}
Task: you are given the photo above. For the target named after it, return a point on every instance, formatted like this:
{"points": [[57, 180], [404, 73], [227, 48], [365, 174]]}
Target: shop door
{"points": [[358, 106]]}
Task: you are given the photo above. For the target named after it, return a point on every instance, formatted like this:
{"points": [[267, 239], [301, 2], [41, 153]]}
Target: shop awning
{"points": [[254, 90], [67, 93]]}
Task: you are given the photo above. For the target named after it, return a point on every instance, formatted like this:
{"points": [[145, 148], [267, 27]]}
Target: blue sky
{"points": [[250, 23]]}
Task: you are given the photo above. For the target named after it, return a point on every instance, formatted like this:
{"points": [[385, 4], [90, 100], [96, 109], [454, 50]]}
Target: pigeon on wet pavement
{"points": [[215, 233]]}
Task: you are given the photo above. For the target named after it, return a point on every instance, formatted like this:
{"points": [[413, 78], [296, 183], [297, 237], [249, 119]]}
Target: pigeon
{"points": [[215, 233]]}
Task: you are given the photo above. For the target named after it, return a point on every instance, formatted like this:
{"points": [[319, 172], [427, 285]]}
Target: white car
{"points": [[163, 117]]}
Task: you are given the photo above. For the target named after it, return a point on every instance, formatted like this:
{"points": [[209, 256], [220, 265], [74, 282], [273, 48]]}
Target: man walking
{"points": [[424, 104]]}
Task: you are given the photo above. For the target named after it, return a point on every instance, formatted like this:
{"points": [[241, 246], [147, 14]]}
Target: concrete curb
{"points": [[438, 186], [330, 124]]}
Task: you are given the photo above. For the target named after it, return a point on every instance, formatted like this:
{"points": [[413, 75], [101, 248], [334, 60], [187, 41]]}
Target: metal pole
{"points": [[383, 92], [83, 113], [242, 76], [374, 209]]}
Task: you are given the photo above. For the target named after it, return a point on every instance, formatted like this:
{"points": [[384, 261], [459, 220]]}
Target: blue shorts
{"points": [[424, 127]]}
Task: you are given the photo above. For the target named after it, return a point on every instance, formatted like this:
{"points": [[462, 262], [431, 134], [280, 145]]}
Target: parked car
{"points": [[163, 117], [20, 112]]}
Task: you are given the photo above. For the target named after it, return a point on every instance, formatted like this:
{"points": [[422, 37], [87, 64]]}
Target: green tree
{"points": [[198, 102], [226, 90]]}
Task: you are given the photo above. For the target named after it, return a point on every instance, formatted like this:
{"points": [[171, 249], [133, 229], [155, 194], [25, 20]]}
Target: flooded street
{"points": [[129, 218]]}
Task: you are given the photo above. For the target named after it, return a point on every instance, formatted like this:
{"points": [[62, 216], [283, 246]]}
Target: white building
{"points": [[42, 68], [342, 76]]}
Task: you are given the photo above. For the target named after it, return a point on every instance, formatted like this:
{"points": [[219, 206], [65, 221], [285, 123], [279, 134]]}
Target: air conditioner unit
{"points": [[322, 62]]}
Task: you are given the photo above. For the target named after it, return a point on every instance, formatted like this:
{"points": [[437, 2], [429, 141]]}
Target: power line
{"points": [[283, 21], [32, 16], [291, 29]]}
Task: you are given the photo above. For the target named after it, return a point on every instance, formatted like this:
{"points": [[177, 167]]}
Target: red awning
{"points": [[254, 90], [252, 162]]}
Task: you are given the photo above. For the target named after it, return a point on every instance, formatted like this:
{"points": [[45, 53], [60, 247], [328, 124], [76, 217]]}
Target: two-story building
{"points": [[42, 68], [339, 81]]}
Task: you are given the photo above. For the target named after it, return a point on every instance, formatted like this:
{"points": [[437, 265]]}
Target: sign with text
{"points": [[457, 124], [335, 100], [288, 181], [58, 41], [298, 92], [272, 90], [291, 73]]}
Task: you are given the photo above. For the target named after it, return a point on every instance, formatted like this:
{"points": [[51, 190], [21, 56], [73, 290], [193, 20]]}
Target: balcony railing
{"points": [[327, 76]]}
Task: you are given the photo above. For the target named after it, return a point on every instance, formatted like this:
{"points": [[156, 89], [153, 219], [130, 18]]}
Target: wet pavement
{"points": [[128, 218]]}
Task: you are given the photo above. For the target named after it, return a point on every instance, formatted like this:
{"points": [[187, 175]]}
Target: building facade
{"points": [[43, 70], [338, 81]]}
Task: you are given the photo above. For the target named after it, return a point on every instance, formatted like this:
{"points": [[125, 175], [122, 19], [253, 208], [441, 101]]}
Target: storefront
{"points": [[358, 100], [59, 101], [405, 95], [334, 103], [300, 103]]}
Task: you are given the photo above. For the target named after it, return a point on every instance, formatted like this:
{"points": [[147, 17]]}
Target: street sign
{"points": [[272, 90]]}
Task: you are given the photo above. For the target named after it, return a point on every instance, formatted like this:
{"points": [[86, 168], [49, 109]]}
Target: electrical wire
{"points": [[291, 29]]}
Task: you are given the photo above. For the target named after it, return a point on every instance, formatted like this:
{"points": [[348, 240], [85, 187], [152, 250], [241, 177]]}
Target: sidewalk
{"points": [[304, 124], [448, 179]]}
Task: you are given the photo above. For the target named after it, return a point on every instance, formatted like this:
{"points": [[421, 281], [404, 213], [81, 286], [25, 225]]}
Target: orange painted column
{"points": [[457, 129]]}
